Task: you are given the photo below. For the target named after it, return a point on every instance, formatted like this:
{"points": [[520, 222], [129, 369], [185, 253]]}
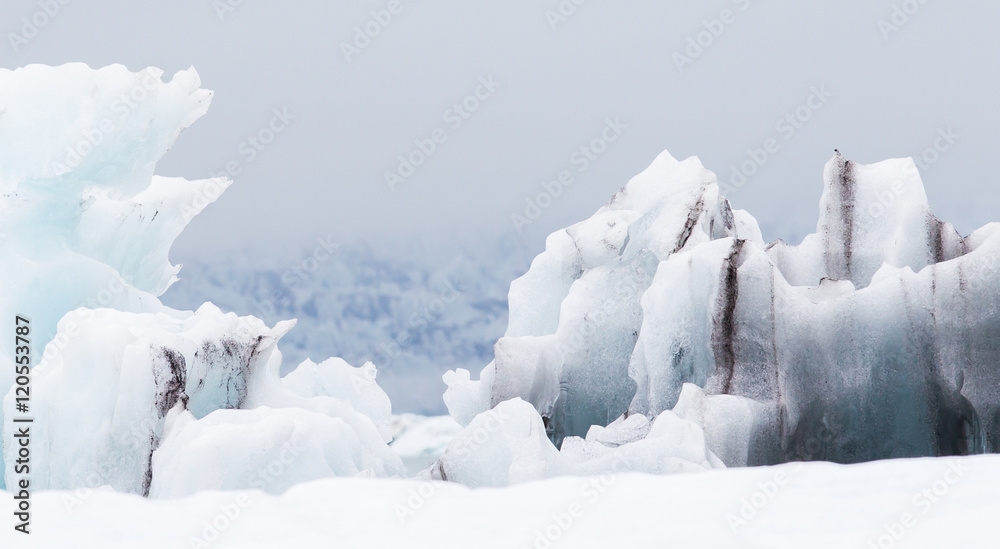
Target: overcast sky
{"points": [[628, 74]]}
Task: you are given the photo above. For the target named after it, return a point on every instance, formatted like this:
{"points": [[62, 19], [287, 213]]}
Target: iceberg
{"points": [[660, 335], [508, 445], [126, 392], [876, 337]]}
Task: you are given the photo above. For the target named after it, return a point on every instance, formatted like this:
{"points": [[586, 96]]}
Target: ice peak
{"points": [[870, 215], [845, 347], [78, 148]]}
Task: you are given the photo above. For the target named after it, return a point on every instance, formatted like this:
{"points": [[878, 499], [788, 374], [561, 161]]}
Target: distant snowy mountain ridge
{"points": [[414, 309]]}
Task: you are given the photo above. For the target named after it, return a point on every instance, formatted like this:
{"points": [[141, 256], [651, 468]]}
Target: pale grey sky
{"points": [[866, 76]]}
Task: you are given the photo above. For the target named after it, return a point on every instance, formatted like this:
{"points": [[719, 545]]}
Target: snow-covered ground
{"points": [[911, 504]]}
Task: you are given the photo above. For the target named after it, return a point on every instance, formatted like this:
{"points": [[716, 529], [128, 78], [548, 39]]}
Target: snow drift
{"points": [[917, 504], [876, 337]]}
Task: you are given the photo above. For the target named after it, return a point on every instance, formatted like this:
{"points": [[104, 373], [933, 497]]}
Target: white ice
{"points": [[128, 393]]}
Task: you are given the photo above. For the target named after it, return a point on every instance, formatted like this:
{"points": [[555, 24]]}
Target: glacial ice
{"points": [[876, 337], [217, 373], [127, 392], [508, 445], [264, 448], [661, 335]]}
